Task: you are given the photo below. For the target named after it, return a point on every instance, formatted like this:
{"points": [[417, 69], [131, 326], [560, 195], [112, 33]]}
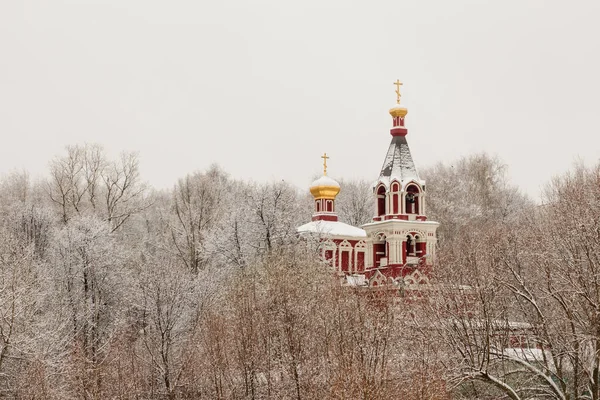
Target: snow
{"points": [[534, 356], [331, 228], [527, 354], [398, 163], [325, 181], [357, 280], [405, 222]]}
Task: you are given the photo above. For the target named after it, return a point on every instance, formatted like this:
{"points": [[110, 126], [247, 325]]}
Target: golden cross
{"points": [[398, 84], [324, 157]]}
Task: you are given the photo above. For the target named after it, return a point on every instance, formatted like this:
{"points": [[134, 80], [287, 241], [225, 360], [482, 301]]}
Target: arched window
{"points": [[329, 250], [395, 197], [411, 246], [380, 250], [411, 199], [360, 251], [345, 257], [329, 204], [318, 202], [380, 201]]}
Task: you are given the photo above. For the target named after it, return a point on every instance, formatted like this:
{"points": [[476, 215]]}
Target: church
{"points": [[398, 246]]}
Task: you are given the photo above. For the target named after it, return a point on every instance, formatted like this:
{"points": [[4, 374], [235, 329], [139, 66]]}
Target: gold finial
{"points": [[325, 158], [398, 95]]}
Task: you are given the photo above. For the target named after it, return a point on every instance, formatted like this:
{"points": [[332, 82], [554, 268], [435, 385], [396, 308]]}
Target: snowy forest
{"points": [[111, 289]]}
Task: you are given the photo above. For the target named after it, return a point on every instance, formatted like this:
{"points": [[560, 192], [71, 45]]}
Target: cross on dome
{"points": [[325, 187], [398, 95], [325, 158], [398, 112]]}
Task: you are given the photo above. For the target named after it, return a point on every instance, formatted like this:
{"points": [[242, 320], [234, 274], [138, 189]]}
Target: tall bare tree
{"points": [[199, 200], [356, 203], [85, 182]]}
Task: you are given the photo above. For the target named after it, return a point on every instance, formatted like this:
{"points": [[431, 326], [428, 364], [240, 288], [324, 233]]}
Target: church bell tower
{"points": [[401, 239]]}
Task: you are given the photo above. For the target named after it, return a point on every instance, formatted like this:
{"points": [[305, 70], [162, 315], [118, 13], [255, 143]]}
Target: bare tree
{"points": [[89, 279], [471, 190], [355, 204], [124, 194], [66, 187], [199, 201], [19, 296], [274, 215], [528, 324], [172, 305], [84, 182]]}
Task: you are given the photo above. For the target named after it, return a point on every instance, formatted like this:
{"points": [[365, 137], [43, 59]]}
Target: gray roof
{"points": [[398, 162]]}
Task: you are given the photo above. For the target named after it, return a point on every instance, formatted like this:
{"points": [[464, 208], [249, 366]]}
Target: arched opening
{"points": [[380, 251], [395, 198], [421, 246], [380, 201], [345, 256], [411, 246], [318, 203], [359, 256], [329, 204], [411, 199], [329, 250]]}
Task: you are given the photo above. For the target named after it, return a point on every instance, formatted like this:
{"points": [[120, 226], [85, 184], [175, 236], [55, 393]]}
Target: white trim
{"points": [[345, 247], [360, 247], [329, 245]]}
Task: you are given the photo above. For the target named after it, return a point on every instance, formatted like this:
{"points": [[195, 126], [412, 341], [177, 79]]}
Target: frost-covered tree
{"points": [[171, 304], [85, 181], [524, 321], [356, 203], [472, 190], [20, 294], [199, 202], [90, 281], [273, 215]]}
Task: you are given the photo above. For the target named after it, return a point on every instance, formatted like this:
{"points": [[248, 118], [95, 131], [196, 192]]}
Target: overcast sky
{"points": [[264, 87]]}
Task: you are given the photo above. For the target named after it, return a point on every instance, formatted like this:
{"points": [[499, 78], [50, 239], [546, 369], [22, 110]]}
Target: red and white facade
{"points": [[398, 246], [343, 245]]}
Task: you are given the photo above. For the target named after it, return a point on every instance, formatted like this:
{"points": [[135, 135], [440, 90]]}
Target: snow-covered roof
{"points": [[331, 228], [529, 354], [357, 280], [325, 181], [398, 162]]}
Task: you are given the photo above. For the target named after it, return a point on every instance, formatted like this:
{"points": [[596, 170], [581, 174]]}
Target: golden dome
{"points": [[398, 111], [324, 188]]}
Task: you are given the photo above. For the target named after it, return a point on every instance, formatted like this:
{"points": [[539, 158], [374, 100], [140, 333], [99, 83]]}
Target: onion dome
{"points": [[325, 188], [398, 111]]}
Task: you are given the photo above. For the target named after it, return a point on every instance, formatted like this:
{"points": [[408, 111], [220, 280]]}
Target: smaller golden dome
{"points": [[325, 188], [398, 111]]}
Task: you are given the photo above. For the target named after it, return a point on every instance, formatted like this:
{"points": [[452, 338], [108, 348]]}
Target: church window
{"points": [[412, 199], [381, 200], [379, 249], [345, 250], [395, 197], [411, 246]]}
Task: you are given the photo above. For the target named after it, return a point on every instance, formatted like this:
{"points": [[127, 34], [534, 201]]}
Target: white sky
{"points": [[264, 87]]}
